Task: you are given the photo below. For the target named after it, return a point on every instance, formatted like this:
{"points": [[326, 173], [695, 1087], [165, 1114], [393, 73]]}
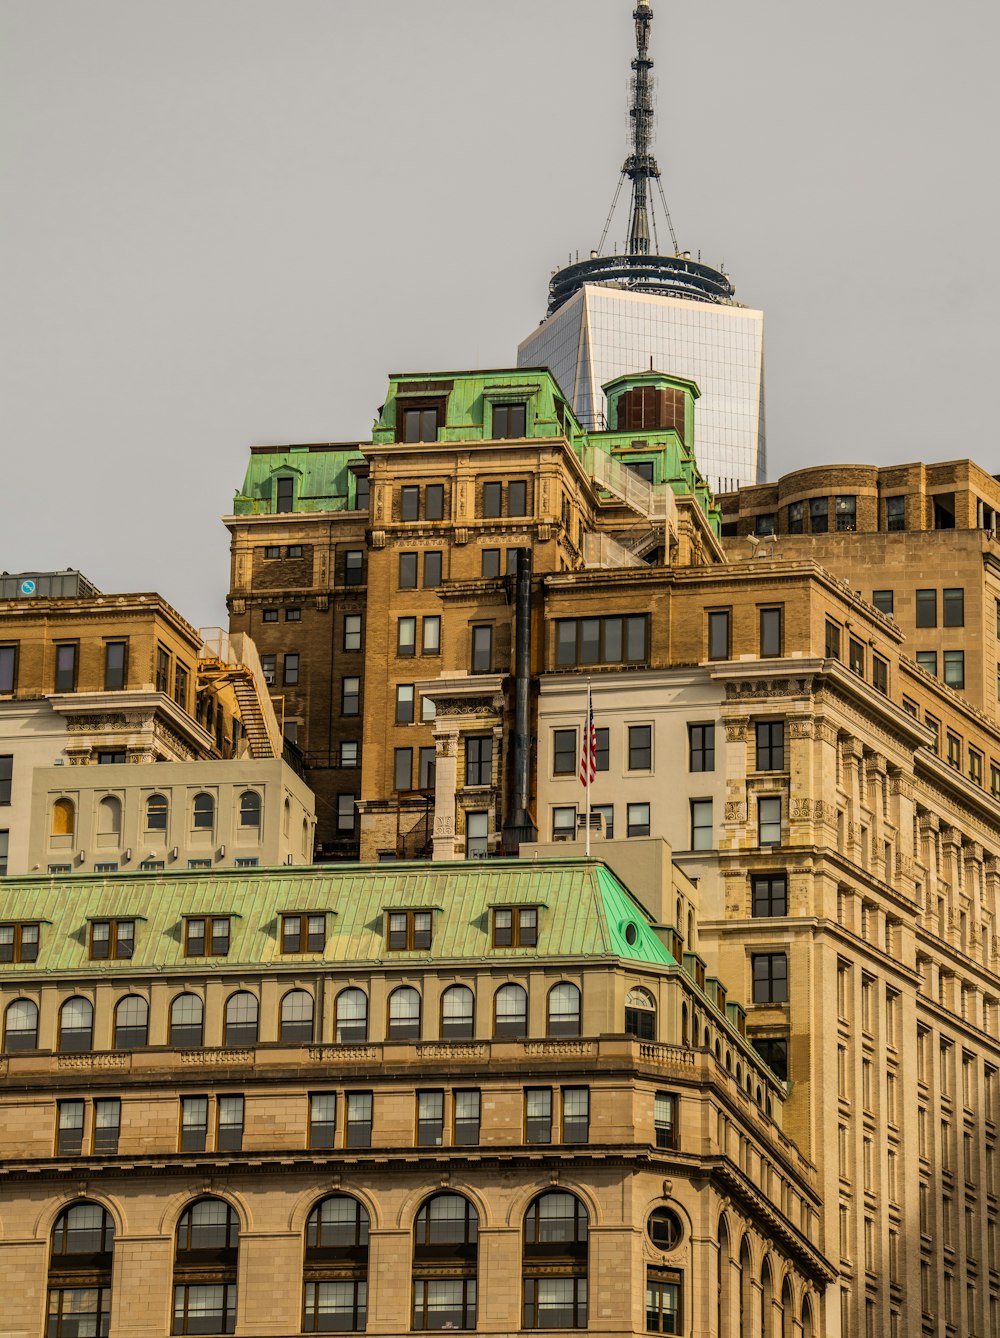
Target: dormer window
{"points": [[420, 423], [284, 494], [509, 421], [19, 943], [408, 930], [303, 933], [515, 927]]}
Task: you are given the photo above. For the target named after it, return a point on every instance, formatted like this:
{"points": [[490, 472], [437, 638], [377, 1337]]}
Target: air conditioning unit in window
{"points": [[596, 824]]}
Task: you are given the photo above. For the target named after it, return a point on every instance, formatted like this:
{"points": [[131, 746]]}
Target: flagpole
{"points": [[588, 734]]}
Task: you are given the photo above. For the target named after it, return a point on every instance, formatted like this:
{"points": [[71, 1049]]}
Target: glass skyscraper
{"points": [[603, 332]]}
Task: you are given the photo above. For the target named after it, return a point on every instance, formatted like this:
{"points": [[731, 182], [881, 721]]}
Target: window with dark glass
{"points": [[895, 513], [482, 649], [517, 498], [515, 927], [285, 494], [954, 751], [770, 977], [409, 503], [79, 1276], [115, 665], [564, 1006], [404, 1015], [884, 601], [131, 1022], [564, 757], [194, 1123], [432, 569], [107, 1126], [272, 551], [408, 929], [602, 750], [701, 747], [954, 668], [19, 942], [445, 1255], [457, 1013], [296, 1022], [770, 736], [769, 894], [832, 646], [354, 566], [640, 747], [796, 517], [819, 515], [66, 656], [362, 492], [510, 1012], [6, 777], [773, 1050], [269, 666], [8, 668], [640, 1014], [350, 695], [701, 824], [426, 763], [467, 1105], [408, 571], [665, 1121], [403, 769], [607, 814], [206, 936], [434, 501], [847, 513], [663, 1300], [187, 1021], [492, 500], [162, 669], [290, 675], [322, 1120], [856, 657], [352, 1016], [229, 1136], [538, 1114], [927, 660], [975, 767], [769, 820], [644, 468], [241, 1019], [20, 1025], [69, 1133], [509, 421], [404, 703], [335, 1279], [926, 608], [490, 568], [430, 1119], [718, 634], [479, 759], [205, 1269], [575, 1114], [771, 621], [431, 635], [76, 1025], [637, 820], [420, 424], [614, 640], [554, 1263], [358, 1122], [880, 674], [303, 933]]}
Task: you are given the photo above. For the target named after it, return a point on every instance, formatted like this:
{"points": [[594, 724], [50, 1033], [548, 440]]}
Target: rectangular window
{"points": [[358, 1126], [408, 930], [796, 517], [509, 421], [819, 515], [194, 1123], [303, 933], [162, 670], [69, 1138], [640, 747], [19, 942], [770, 977], [927, 659], [430, 643], [927, 608], [406, 637], [479, 759], [428, 708], [769, 820], [701, 747], [954, 751], [404, 703], [492, 500], [4, 849], [346, 813], [349, 753], [770, 894], [322, 1120], [664, 1119], [66, 668], [637, 818], [771, 630], [702, 835], [6, 777], [602, 751], [880, 674], [293, 615], [271, 552], [403, 769], [482, 649], [434, 501], [430, 1119], [350, 696], [774, 1052], [181, 678], [538, 1114], [576, 1114], [614, 640], [954, 668], [607, 814], [426, 764], [975, 767], [847, 514], [895, 513], [290, 674], [663, 1300], [354, 567], [206, 936], [352, 631], [953, 608], [477, 828], [269, 667], [564, 756], [832, 646], [564, 823], [718, 634], [883, 601], [115, 665], [856, 657], [407, 571], [467, 1117], [229, 1134], [770, 745], [516, 927], [285, 495], [432, 569], [112, 939], [409, 503], [517, 498], [420, 424], [490, 563], [555, 1303], [8, 668], [294, 551], [107, 1125]]}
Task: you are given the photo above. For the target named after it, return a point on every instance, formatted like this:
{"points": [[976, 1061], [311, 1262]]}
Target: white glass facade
{"points": [[602, 333]]}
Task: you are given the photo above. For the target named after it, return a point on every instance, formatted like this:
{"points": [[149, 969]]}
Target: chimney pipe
{"points": [[519, 826]]}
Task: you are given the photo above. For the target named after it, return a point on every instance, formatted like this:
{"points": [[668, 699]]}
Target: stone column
{"points": [[445, 786]]}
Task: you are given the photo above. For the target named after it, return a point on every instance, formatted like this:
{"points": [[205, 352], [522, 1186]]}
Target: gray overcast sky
{"points": [[225, 221]]}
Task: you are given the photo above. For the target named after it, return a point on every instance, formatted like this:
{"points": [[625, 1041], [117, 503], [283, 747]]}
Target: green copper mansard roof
{"points": [[584, 911]]}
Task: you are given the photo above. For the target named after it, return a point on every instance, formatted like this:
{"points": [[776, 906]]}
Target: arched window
{"points": [[306, 852], [249, 809], [640, 1014], [807, 1318], [63, 817], [187, 1021], [554, 1262], [83, 1242], [241, 1019], [404, 1015], [766, 1300], [206, 1258], [131, 1022], [685, 1034], [510, 1011], [109, 816], [336, 1267], [156, 813], [20, 1026], [445, 1263], [564, 1010], [746, 1291], [286, 821], [458, 1005], [76, 1025], [297, 1016], [787, 1310], [722, 1280], [203, 812], [352, 1017]]}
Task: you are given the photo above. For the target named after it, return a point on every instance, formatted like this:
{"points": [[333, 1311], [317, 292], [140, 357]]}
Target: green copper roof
{"points": [[322, 479], [583, 912]]}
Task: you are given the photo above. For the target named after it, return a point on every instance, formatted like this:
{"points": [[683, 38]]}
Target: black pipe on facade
{"points": [[519, 826]]}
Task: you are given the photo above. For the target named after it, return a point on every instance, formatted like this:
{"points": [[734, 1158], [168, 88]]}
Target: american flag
{"points": [[588, 753]]}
